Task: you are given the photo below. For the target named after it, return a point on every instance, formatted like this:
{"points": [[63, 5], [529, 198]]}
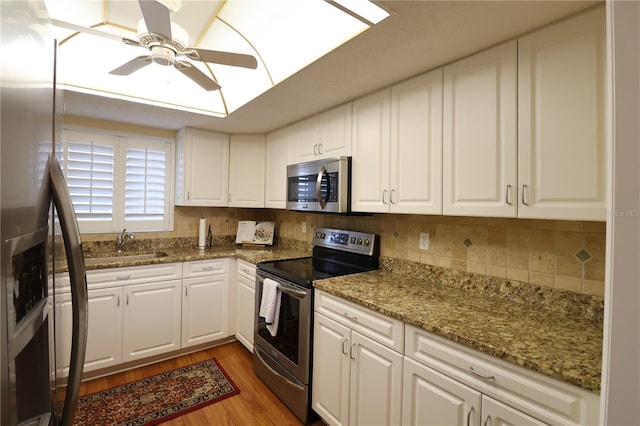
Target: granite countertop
{"points": [[186, 254], [566, 347]]}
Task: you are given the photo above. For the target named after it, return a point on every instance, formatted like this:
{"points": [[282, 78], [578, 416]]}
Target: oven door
{"points": [[291, 346]]}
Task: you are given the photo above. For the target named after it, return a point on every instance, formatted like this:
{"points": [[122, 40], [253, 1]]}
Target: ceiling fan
{"points": [[167, 42]]}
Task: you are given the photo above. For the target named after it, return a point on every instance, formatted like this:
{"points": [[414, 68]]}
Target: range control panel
{"points": [[352, 241]]}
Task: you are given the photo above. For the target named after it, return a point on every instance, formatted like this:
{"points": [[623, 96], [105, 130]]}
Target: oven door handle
{"points": [[291, 292], [287, 381]]}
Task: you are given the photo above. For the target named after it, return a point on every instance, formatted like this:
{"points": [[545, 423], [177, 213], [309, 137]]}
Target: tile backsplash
{"points": [[567, 255]]}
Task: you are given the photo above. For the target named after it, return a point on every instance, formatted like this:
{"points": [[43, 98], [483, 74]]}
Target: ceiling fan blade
{"points": [[132, 66], [85, 30], [224, 58], [156, 17], [196, 75]]}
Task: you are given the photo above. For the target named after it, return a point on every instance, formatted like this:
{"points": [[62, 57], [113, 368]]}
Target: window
{"points": [[118, 182]]}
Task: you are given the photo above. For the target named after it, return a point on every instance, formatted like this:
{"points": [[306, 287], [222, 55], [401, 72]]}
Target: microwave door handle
{"points": [[322, 202]]}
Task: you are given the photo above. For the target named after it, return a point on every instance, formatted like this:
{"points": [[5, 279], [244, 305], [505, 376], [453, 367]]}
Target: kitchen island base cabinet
{"points": [[357, 380], [151, 323]]}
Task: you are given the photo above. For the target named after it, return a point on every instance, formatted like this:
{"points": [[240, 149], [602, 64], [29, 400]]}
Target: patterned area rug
{"points": [[157, 399]]}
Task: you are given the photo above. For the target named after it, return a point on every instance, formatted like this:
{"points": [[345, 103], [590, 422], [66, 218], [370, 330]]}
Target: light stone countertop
{"points": [[565, 347]]}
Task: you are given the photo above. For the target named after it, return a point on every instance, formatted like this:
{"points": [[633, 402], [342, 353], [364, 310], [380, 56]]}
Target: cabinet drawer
{"points": [[246, 270], [199, 268], [381, 328], [99, 278], [542, 397]]}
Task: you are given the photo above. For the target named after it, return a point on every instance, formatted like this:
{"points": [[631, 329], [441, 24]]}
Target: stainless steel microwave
{"points": [[320, 186]]}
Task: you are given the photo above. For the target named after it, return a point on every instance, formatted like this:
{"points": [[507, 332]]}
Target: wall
{"points": [[567, 255]]}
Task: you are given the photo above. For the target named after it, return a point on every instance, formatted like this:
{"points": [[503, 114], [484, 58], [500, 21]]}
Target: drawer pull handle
{"points": [[118, 299], [486, 420], [344, 351], [482, 376], [469, 416], [350, 317], [351, 351], [123, 277], [207, 268]]}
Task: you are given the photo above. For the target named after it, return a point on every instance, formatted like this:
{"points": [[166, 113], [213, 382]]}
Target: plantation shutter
{"points": [[89, 167], [146, 178]]}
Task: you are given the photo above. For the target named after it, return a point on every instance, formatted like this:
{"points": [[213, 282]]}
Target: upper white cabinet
{"points": [[278, 156], [524, 126], [479, 135], [561, 120], [202, 168], [324, 135], [397, 148], [246, 171]]}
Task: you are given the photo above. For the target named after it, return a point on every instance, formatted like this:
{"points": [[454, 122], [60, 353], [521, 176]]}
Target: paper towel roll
{"points": [[201, 233]]}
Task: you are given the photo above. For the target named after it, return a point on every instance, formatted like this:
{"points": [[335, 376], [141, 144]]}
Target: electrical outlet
{"points": [[424, 241], [304, 227]]}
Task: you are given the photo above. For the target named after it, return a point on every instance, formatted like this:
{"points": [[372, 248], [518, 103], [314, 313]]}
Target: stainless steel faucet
{"points": [[123, 238]]}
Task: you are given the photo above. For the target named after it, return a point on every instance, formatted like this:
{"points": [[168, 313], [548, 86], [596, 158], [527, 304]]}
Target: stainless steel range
{"points": [[284, 311]]}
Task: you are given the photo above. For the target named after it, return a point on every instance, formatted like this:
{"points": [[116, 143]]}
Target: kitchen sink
{"points": [[123, 257]]}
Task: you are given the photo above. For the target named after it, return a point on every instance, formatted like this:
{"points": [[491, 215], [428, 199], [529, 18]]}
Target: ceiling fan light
{"points": [[163, 55]]}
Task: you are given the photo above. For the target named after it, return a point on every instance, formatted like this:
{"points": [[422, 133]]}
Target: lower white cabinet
{"points": [[245, 302], [356, 380], [448, 383], [205, 296], [104, 337], [151, 319], [433, 399]]}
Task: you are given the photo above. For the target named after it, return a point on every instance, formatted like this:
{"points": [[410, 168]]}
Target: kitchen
{"points": [[400, 233]]}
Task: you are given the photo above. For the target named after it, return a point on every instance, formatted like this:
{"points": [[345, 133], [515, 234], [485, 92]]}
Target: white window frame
{"points": [[122, 141]]}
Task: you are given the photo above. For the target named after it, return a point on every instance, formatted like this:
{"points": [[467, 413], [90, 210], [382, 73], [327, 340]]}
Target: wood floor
{"points": [[254, 405]]}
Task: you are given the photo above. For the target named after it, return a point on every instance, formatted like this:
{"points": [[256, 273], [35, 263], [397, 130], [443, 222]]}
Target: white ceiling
{"points": [[418, 36]]}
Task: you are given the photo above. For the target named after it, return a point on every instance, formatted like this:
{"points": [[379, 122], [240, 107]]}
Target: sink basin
{"points": [[123, 257]]}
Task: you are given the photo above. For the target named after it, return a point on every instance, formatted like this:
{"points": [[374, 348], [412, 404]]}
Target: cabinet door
{"points": [[433, 399], [495, 413], [370, 146], [416, 145], [479, 134], [561, 120], [305, 144], [331, 370], [104, 334], [245, 310], [205, 309], [334, 138], [202, 168], [278, 156], [376, 383], [151, 319], [246, 171]]}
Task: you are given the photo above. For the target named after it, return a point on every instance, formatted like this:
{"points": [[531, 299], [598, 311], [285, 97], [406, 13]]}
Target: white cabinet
{"points": [[202, 168], [433, 399], [448, 379], [151, 319], [562, 155], [104, 334], [524, 126], [246, 171], [245, 302], [324, 135], [357, 372], [205, 301], [397, 148], [479, 134], [278, 156]]}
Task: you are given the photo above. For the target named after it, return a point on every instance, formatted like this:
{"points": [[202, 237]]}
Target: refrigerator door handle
{"points": [[79, 296]]}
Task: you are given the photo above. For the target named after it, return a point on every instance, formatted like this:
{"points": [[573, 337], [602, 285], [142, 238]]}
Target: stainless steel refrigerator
{"points": [[31, 183]]}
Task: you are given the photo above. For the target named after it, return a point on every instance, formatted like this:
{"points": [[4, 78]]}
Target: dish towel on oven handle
{"points": [[270, 305]]}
